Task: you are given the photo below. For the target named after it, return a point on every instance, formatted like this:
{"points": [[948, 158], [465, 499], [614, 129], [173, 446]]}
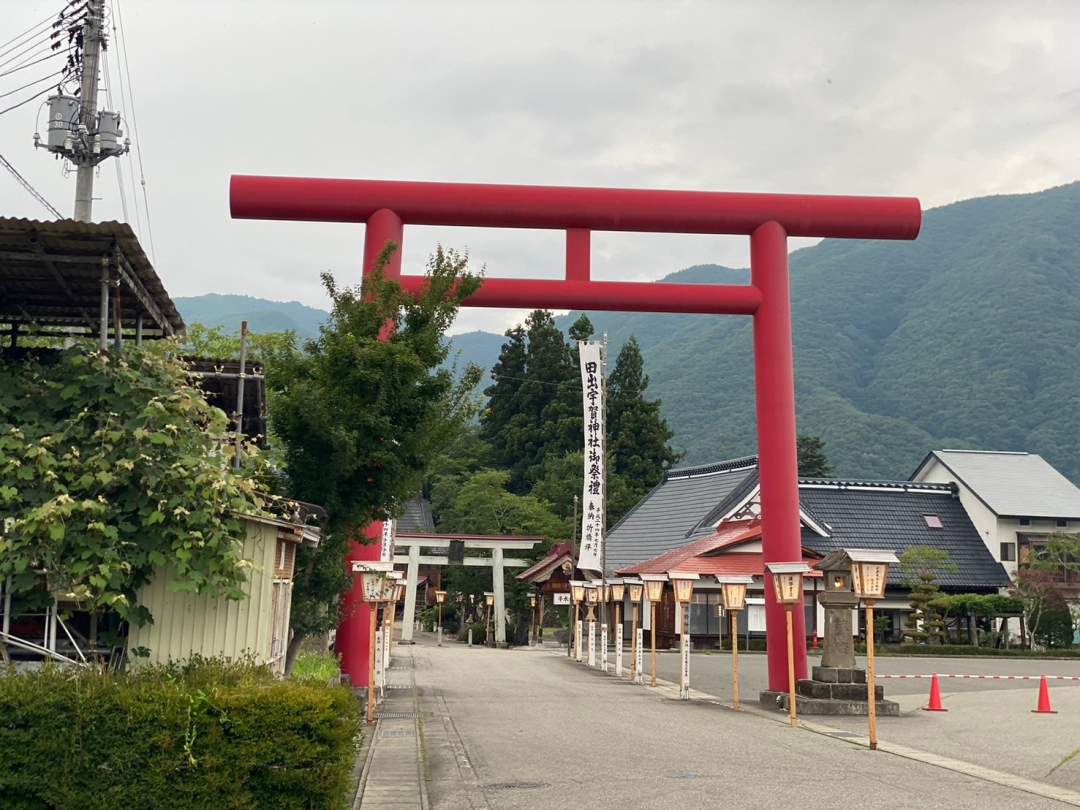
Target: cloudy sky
{"points": [[942, 101]]}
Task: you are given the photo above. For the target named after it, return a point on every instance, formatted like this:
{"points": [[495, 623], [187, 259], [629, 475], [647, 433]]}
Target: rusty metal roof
{"points": [[51, 273]]}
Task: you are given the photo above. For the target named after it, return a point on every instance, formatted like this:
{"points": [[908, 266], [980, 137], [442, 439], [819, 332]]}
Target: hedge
{"points": [[209, 735]]}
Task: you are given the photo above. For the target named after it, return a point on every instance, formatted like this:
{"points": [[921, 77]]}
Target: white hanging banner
{"points": [[386, 551], [592, 500]]}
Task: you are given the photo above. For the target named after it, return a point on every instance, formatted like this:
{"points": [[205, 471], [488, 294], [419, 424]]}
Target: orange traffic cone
{"points": [[935, 697], [1044, 699]]}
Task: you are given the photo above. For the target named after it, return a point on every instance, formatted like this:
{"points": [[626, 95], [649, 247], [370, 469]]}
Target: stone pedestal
{"points": [[836, 687]]}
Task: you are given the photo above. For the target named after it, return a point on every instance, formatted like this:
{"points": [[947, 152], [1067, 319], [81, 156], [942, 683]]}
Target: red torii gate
{"points": [[768, 219]]}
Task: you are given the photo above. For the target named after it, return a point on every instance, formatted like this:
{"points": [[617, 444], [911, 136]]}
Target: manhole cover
{"points": [[516, 785], [405, 732]]}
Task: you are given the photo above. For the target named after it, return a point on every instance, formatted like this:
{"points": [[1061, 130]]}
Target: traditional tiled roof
{"points": [[417, 517], [677, 515], [665, 518], [555, 557], [714, 555], [1010, 484], [891, 515]]}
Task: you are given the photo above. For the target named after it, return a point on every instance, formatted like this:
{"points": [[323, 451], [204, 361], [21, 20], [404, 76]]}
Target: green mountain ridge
{"points": [[966, 337]]}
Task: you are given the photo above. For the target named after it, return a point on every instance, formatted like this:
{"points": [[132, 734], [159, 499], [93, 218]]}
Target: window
{"points": [[1025, 521], [1008, 552], [1063, 524], [932, 521]]}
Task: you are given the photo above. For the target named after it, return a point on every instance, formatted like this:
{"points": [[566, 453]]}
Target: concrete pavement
{"points": [[989, 722], [524, 728]]}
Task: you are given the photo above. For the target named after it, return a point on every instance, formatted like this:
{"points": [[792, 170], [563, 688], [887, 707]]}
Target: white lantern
{"points": [[654, 586], [787, 581], [733, 588], [683, 584], [869, 571]]}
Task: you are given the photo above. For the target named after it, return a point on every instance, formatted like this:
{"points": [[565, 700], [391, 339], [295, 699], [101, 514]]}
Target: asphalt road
{"points": [[988, 722], [530, 729]]}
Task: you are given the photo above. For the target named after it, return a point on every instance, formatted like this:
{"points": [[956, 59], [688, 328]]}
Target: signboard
{"points": [[618, 652], [639, 654], [560, 598], [378, 661], [592, 644], [386, 550], [603, 646], [591, 356], [685, 692], [455, 554], [577, 641]]}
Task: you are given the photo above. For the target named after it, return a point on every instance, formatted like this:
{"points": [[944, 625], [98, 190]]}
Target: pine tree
{"points": [[507, 376], [812, 460], [638, 435]]}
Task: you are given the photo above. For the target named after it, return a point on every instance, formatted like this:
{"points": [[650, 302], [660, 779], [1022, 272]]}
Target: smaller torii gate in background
{"points": [[385, 207], [497, 562]]}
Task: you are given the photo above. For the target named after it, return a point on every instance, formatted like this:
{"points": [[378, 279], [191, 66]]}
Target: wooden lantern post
{"points": [[733, 591], [654, 590]]}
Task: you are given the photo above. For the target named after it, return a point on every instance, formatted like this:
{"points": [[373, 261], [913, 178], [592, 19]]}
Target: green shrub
{"points": [[206, 735], [314, 667]]}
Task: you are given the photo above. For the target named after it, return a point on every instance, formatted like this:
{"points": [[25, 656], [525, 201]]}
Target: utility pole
{"points": [[93, 28], [78, 132]]}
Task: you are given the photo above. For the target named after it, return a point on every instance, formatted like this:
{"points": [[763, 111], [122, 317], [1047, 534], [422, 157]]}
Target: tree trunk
{"points": [[291, 652], [973, 634]]}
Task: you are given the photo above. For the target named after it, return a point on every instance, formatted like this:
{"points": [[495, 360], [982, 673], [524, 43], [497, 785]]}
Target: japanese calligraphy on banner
{"points": [[592, 500], [386, 553]]}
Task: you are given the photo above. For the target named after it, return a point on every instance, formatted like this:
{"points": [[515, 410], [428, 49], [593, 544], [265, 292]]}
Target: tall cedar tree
{"points": [[360, 418], [638, 435], [813, 462]]}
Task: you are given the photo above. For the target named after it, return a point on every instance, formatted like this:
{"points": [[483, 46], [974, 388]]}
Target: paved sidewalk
{"points": [[530, 729], [392, 775]]}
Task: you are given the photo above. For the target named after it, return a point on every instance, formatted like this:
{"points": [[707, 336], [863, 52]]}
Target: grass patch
{"points": [[315, 667]]}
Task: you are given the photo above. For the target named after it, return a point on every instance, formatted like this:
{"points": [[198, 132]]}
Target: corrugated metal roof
{"points": [[50, 275], [1013, 484], [667, 515]]}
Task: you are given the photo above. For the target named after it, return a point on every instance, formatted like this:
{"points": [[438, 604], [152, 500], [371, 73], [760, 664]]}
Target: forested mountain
{"points": [[228, 311], [967, 337]]}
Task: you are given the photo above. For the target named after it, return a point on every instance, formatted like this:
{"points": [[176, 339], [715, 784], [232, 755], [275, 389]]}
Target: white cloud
{"points": [[942, 101]]}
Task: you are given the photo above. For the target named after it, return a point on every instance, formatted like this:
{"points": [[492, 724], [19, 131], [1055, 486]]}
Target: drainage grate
{"points": [[399, 686], [397, 715], [405, 732], [845, 734], [516, 786], [683, 775]]}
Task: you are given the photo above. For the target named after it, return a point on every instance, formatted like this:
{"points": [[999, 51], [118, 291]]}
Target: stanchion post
{"points": [[654, 590], [871, 689], [787, 583], [635, 589]]}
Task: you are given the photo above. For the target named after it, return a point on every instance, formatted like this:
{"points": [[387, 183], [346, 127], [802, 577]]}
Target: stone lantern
{"points": [[839, 601]]}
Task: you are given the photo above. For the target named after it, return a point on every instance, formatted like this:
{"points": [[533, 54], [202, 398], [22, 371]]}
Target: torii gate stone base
{"points": [[768, 219], [497, 562]]}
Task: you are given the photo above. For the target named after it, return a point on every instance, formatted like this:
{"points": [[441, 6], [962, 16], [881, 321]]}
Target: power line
{"points": [[117, 163], [26, 184], [134, 125], [30, 84], [40, 46], [26, 100], [32, 28], [35, 62]]}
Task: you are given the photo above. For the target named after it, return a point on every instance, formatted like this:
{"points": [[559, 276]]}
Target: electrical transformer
{"points": [[109, 132], [63, 120]]}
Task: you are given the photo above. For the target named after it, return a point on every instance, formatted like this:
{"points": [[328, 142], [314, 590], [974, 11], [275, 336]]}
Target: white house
{"points": [[1015, 500]]}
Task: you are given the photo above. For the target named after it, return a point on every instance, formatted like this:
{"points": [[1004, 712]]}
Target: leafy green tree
{"points": [[502, 407], [638, 435], [112, 468], [812, 460], [215, 343], [483, 505], [361, 418], [921, 566]]}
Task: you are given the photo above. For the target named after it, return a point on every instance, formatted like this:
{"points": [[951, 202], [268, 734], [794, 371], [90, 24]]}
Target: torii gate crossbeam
{"points": [[768, 219]]}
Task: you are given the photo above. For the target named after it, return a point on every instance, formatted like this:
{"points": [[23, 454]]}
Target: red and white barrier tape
{"points": [[988, 677]]}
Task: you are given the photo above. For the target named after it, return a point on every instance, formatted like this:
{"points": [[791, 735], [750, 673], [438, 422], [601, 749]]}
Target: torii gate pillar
{"points": [[768, 219]]}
